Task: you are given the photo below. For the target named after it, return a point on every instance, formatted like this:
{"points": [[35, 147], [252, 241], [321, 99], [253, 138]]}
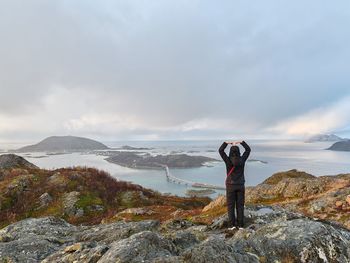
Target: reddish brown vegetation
{"points": [[20, 191]]}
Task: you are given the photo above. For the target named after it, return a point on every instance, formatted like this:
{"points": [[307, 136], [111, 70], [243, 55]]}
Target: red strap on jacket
{"points": [[230, 172]]}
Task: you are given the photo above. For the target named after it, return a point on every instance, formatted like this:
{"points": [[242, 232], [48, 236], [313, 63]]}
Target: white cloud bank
{"points": [[172, 69], [327, 119]]}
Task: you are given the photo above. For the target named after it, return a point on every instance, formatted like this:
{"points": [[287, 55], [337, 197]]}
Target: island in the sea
{"points": [[64, 144], [340, 146], [131, 148], [257, 161], [148, 161]]}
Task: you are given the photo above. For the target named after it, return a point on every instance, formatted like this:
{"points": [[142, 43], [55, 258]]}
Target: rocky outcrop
{"points": [[277, 177], [32, 240], [70, 204], [331, 205], [272, 234], [279, 187], [130, 198], [14, 161], [143, 246], [64, 144], [325, 197], [297, 240], [285, 189], [220, 201], [45, 199], [215, 249]]}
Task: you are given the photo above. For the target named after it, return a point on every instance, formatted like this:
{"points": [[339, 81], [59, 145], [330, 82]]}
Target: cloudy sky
{"points": [[117, 70]]}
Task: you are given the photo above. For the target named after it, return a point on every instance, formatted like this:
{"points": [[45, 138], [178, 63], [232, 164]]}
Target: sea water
{"points": [[269, 157]]}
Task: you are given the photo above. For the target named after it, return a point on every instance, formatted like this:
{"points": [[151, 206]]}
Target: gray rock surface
{"points": [[141, 247], [69, 204], [14, 161], [272, 234], [317, 206], [108, 233], [44, 200], [31, 240], [285, 188], [298, 240], [127, 198], [215, 249]]}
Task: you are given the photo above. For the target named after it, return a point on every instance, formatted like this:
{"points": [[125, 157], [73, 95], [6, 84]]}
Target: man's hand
{"points": [[233, 143]]}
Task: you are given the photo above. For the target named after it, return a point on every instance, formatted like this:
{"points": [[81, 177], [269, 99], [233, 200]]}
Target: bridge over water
{"points": [[176, 180]]}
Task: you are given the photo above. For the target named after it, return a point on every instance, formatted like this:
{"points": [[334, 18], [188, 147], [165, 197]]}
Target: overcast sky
{"points": [[116, 70]]}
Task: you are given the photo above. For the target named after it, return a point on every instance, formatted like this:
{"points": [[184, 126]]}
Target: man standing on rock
{"points": [[235, 181]]}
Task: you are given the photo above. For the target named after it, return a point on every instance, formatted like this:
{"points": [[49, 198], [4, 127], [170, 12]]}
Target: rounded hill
{"points": [[64, 143]]}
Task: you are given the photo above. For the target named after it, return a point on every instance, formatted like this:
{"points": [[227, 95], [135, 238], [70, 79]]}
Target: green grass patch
{"points": [[6, 203], [72, 185], [88, 200]]}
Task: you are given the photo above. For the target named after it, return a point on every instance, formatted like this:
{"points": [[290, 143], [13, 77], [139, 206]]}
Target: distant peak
{"points": [[324, 138], [64, 143]]}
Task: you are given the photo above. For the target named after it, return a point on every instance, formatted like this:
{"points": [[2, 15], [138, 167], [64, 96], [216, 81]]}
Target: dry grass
{"points": [[20, 190]]}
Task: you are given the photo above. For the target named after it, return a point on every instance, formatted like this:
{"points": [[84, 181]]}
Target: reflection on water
{"points": [[275, 156]]}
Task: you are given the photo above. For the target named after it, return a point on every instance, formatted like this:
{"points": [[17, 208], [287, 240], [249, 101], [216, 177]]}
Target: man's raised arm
{"points": [[222, 152], [246, 153]]}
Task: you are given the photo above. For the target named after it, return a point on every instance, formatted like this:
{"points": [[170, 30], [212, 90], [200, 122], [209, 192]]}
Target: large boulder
{"points": [[32, 240], [108, 233], [44, 200], [70, 204], [297, 240], [214, 249], [14, 161], [140, 247], [89, 252], [53, 239]]}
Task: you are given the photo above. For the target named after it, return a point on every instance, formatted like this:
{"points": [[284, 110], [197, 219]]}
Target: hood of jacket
{"points": [[234, 151], [235, 155]]}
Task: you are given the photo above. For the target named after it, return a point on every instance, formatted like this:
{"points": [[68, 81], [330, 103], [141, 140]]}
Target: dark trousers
{"points": [[235, 201]]}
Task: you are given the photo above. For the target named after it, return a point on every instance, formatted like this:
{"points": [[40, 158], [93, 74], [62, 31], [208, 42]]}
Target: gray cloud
{"points": [[196, 68]]}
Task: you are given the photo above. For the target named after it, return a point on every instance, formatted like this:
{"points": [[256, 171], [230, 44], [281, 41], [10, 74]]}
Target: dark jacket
{"points": [[236, 160]]}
